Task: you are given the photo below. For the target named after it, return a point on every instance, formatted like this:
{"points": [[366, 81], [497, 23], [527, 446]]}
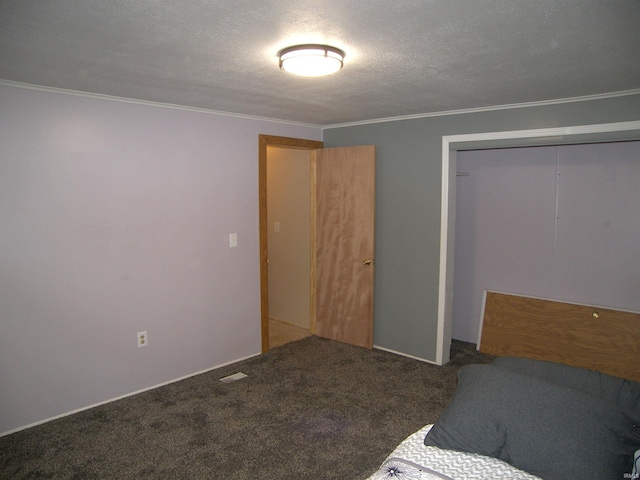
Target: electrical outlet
{"points": [[143, 340]]}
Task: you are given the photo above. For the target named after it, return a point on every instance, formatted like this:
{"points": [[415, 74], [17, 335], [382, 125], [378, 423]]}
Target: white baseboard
{"points": [[377, 347], [40, 422]]}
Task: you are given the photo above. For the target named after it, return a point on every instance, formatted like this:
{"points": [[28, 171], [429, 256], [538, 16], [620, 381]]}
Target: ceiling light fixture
{"points": [[311, 60]]}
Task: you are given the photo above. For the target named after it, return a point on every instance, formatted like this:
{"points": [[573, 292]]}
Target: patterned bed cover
{"points": [[413, 460]]}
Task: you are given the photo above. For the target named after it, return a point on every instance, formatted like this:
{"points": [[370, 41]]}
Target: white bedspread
{"points": [[413, 460]]}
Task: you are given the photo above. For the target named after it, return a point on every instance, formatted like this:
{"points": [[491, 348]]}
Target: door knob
{"points": [[367, 261]]}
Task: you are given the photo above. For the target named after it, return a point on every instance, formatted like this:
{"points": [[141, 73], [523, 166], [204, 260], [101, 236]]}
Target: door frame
{"points": [[606, 132], [265, 141]]}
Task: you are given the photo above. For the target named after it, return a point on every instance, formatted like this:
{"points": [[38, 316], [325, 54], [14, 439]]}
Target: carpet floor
{"points": [[311, 409]]}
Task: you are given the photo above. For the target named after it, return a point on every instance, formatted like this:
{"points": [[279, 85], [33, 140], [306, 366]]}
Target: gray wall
{"points": [[115, 218], [409, 157], [560, 222]]}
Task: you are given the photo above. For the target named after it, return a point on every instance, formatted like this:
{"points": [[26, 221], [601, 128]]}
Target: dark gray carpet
{"points": [[312, 409]]}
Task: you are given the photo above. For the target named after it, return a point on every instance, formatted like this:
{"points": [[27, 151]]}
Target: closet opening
{"points": [[584, 134]]}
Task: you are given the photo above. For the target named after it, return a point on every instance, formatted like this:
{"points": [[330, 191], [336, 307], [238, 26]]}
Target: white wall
{"points": [[555, 222], [289, 205], [114, 218]]}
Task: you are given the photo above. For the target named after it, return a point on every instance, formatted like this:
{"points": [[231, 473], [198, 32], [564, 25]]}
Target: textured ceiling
{"points": [[404, 57]]}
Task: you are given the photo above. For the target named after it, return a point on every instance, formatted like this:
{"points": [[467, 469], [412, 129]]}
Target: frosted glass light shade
{"points": [[311, 60]]}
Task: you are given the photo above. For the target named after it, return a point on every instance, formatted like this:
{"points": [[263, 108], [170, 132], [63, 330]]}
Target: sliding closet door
{"points": [[505, 210], [597, 250]]}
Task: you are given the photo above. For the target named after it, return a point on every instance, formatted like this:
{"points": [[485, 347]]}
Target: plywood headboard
{"points": [[589, 337]]}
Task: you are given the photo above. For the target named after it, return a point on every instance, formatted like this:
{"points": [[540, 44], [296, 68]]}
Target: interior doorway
{"points": [[342, 244], [265, 143], [289, 243]]}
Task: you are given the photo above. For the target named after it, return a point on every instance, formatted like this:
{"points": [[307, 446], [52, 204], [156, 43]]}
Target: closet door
{"points": [[597, 257]]}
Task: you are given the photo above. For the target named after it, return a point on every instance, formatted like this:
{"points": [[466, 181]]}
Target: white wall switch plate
{"points": [[233, 240], [276, 227]]}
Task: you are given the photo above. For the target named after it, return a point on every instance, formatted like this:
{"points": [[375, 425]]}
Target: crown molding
{"points": [[134, 101], [493, 108], [148, 103]]}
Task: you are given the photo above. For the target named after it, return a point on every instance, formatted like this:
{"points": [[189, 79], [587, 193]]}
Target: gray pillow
{"points": [[624, 393], [546, 429]]}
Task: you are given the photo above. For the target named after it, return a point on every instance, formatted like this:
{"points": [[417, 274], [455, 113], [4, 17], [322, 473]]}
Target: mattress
{"points": [[413, 460]]}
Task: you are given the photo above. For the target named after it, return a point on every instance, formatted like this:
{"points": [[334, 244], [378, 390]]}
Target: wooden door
{"points": [[344, 200]]}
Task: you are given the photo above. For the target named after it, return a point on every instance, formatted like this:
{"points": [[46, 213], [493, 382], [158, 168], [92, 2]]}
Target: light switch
{"points": [[276, 227], [233, 240]]}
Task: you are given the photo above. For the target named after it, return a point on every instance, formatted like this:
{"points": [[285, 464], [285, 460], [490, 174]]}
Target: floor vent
{"points": [[234, 378]]}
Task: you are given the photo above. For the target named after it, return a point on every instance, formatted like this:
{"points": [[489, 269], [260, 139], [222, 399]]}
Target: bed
{"points": [[551, 405]]}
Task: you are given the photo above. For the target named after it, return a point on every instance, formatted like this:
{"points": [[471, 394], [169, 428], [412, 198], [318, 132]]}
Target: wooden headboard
{"points": [[589, 337]]}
